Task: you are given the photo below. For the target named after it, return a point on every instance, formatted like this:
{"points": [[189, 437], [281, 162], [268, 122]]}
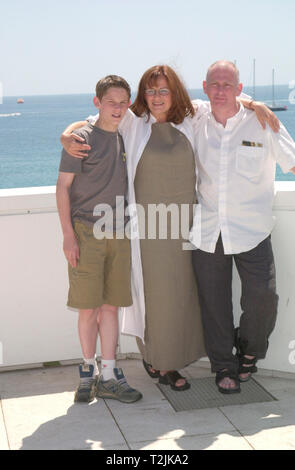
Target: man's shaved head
{"points": [[225, 64]]}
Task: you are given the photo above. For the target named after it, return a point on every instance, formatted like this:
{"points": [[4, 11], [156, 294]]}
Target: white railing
{"points": [[35, 324]]}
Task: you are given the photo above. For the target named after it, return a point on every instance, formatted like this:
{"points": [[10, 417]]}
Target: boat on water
{"points": [[20, 101], [277, 108], [273, 106]]}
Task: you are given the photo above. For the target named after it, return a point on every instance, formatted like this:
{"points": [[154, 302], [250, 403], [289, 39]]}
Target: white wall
{"points": [[35, 324], [280, 356]]}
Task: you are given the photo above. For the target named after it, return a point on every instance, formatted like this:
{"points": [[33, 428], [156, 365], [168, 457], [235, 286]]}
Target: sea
{"points": [[29, 133]]}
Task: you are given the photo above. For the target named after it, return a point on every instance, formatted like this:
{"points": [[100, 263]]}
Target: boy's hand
{"points": [[73, 144], [71, 250]]}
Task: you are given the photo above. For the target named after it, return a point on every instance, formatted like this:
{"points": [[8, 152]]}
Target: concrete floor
{"points": [[37, 412]]}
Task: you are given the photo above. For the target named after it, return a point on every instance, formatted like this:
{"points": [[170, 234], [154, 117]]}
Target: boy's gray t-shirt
{"points": [[99, 178]]}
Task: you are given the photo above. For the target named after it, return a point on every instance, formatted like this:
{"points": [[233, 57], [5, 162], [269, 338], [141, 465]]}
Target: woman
{"points": [[159, 143], [164, 173]]}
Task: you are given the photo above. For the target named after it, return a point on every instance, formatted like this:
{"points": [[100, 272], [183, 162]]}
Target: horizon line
{"points": [[86, 93]]}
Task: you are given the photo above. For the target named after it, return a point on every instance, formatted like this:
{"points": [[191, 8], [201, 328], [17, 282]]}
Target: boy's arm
{"points": [[73, 143], [70, 243]]}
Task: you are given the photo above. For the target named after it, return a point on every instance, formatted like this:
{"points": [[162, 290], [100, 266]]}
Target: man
{"points": [[236, 163]]}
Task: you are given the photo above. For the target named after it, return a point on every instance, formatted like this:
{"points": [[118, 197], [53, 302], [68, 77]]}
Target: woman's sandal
{"points": [[148, 368], [222, 374], [171, 377]]}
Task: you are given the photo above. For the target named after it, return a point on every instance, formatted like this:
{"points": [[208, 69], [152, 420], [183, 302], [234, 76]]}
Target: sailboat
{"points": [[273, 107]]}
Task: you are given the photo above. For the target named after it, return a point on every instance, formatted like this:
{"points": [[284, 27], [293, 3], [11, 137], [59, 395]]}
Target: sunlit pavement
{"points": [[37, 412]]}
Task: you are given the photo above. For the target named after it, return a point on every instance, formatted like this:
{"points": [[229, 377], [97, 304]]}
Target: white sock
{"points": [[92, 362], [107, 369]]}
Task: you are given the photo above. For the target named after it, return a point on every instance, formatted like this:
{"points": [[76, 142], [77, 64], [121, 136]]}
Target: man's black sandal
{"points": [[220, 375], [171, 377], [148, 368], [246, 366]]}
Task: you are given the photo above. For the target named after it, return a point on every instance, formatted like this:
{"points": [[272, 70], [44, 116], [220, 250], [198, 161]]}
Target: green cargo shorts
{"points": [[102, 275]]}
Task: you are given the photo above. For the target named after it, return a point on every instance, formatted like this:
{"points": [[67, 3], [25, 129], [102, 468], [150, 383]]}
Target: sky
{"points": [[66, 46]]}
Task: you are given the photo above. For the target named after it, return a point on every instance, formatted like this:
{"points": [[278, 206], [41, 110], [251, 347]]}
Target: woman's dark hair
{"points": [[181, 104]]}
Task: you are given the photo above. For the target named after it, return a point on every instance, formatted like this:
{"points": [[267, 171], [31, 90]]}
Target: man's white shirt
{"points": [[236, 172]]}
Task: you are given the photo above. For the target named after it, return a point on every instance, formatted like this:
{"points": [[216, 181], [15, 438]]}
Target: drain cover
{"points": [[204, 394]]}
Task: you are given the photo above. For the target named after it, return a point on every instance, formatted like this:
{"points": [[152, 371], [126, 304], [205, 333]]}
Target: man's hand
{"points": [[71, 250], [73, 144], [265, 116], [292, 170]]}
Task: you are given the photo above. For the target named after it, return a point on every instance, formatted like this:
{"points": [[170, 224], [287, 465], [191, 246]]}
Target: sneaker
{"points": [[117, 389], [86, 390]]}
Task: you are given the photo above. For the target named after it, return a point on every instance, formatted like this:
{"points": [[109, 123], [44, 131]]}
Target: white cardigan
{"points": [[136, 132]]}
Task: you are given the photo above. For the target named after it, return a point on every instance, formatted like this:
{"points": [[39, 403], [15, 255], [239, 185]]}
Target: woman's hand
{"points": [[74, 145], [265, 115]]}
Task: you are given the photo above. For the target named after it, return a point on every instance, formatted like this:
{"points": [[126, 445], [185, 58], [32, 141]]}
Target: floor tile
{"points": [[160, 421], [54, 422], [38, 381], [272, 439], [223, 441], [272, 383], [261, 416], [3, 436]]}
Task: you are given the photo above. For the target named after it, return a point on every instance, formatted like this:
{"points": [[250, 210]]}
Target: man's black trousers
{"points": [[258, 301]]}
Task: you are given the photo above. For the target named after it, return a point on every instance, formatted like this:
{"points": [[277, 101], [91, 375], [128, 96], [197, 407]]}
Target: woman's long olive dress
{"points": [[166, 175]]}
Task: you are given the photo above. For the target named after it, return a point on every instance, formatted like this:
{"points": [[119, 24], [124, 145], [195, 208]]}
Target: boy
{"points": [[99, 269]]}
